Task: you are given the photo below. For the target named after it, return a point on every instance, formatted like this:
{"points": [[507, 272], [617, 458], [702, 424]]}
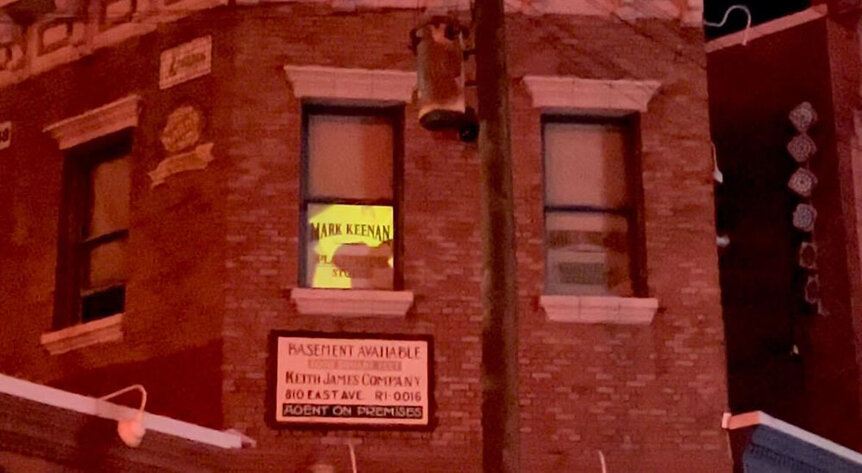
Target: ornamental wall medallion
{"points": [[808, 255], [802, 182], [12, 43], [801, 147], [802, 117], [181, 138], [804, 217], [812, 289]]}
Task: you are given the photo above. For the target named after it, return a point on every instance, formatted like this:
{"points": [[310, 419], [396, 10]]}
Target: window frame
{"points": [[76, 204], [395, 115], [633, 211]]}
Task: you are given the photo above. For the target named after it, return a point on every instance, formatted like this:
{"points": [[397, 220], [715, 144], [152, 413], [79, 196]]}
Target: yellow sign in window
{"points": [[350, 246]]}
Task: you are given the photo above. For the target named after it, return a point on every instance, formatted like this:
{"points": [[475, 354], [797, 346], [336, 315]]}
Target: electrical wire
{"points": [[127, 389], [352, 456]]}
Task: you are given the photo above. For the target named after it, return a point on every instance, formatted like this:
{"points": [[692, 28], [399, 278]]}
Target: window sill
{"points": [[352, 302], [599, 309], [109, 329]]}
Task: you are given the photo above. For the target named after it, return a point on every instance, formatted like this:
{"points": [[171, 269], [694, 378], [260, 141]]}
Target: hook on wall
{"points": [[727, 14], [717, 175]]}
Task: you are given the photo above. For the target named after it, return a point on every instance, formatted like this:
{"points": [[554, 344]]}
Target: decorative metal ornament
{"points": [[812, 289], [808, 255], [821, 309], [801, 147], [802, 182], [803, 116], [183, 129], [804, 217]]}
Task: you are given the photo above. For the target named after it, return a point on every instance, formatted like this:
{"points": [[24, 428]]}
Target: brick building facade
{"points": [[212, 231]]}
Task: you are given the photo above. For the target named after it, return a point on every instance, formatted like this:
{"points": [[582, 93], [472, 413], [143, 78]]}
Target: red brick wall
{"points": [[176, 242], [217, 249], [648, 397]]}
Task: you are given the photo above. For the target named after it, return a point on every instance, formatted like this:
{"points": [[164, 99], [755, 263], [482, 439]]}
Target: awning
{"points": [[764, 444], [47, 429]]}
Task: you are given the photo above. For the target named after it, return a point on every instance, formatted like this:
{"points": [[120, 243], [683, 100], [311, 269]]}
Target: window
{"points": [[92, 266], [351, 160], [593, 232]]}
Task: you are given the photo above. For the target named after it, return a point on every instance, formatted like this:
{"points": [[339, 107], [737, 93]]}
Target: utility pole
{"points": [[500, 421]]}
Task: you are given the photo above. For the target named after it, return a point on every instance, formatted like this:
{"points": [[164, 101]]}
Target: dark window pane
{"points": [[107, 264], [103, 304]]}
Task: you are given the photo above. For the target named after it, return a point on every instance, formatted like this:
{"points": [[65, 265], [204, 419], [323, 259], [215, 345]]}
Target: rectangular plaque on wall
{"points": [[350, 380], [185, 62]]}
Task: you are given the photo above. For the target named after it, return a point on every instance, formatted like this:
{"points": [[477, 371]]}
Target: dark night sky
{"points": [[761, 12]]}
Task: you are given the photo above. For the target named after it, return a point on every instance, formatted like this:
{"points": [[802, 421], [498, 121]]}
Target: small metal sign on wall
{"points": [[350, 380], [185, 62], [5, 135]]}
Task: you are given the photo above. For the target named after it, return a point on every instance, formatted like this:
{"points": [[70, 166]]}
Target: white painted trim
{"points": [[64, 55], [627, 10], [109, 329], [101, 121], [68, 53], [599, 309], [351, 84], [170, 13], [150, 14], [107, 410], [590, 95], [753, 418], [765, 29], [352, 302], [119, 33]]}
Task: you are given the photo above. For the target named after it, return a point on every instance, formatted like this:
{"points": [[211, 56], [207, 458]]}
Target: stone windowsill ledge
{"points": [[352, 302], [109, 329], [595, 96], [336, 83], [599, 309]]}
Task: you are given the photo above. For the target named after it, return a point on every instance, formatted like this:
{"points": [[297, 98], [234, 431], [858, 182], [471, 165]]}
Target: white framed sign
{"points": [[185, 62], [5, 134], [350, 380]]}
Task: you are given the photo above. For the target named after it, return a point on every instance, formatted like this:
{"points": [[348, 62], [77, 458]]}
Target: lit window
{"points": [[592, 237], [92, 270], [349, 210]]}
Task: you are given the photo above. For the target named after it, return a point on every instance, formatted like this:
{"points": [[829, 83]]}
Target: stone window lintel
{"points": [[97, 122]]}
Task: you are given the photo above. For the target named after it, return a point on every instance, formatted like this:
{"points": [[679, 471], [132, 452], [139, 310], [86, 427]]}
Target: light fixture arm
{"points": [[133, 387], [131, 431]]}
